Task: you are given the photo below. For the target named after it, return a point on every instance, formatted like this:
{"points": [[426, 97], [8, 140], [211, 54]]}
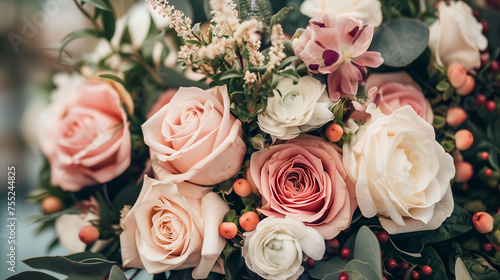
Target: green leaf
{"points": [[323, 268], [400, 41], [442, 86], [367, 249], [230, 74], [113, 78], [291, 74], [448, 93], [448, 145], [108, 23], [438, 122], [117, 274], [175, 79], [77, 34], [101, 4], [457, 224], [30, 275], [287, 61], [54, 216], [229, 217], [366, 270], [431, 258], [76, 264]]}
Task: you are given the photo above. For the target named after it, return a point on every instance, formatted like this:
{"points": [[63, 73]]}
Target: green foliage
{"points": [[367, 248], [101, 4], [431, 258], [30, 275], [117, 274], [401, 41], [77, 34]]}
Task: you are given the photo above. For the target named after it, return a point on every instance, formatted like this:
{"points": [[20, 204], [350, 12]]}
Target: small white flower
{"points": [[274, 249], [456, 36], [368, 11], [296, 108]]}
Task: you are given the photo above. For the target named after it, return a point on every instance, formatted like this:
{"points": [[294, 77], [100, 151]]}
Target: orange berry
{"points": [[51, 204], [242, 187], [457, 75], [464, 171], [88, 234], [228, 230], [455, 116], [468, 87], [249, 221], [334, 132], [463, 139]]}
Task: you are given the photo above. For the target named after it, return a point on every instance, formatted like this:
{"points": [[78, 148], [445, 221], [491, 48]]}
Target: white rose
{"points": [[456, 36], [367, 11], [401, 173], [274, 249], [296, 108]]}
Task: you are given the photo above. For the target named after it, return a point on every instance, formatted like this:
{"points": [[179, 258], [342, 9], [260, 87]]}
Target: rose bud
{"points": [[51, 204], [457, 75], [464, 171], [483, 222], [88, 234], [455, 116], [468, 87], [463, 139]]}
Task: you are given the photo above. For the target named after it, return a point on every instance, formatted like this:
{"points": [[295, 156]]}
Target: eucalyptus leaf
{"points": [[366, 270], [101, 4], [367, 249], [400, 41], [117, 274], [323, 268]]}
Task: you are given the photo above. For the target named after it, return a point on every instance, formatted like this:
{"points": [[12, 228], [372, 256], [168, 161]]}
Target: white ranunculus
{"points": [[296, 108], [401, 173], [274, 249], [367, 11], [456, 36]]}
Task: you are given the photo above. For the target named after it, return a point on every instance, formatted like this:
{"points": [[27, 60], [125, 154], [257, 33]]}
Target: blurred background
{"points": [[30, 32]]}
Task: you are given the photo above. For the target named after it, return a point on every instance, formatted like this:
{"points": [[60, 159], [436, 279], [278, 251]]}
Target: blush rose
{"points": [[195, 138], [172, 227], [85, 136]]}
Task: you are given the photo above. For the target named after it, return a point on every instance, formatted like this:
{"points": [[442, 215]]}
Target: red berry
{"points": [[465, 187], [382, 237], [414, 275], [475, 12], [333, 244], [487, 246], [404, 265], [488, 172], [463, 139], [242, 187], [485, 156], [426, 270], [486, 26], [494, 66], [343, 276], [491, 106], [334, 132], [52, 204], [390, 264], [480, 99], [88, 234], [310, 262], [345, 253], [228, 230], [384, 278]]}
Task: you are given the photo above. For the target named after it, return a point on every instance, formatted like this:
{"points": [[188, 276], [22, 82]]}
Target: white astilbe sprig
{"points": [[178, 21], [276, 54], [225, 17]]}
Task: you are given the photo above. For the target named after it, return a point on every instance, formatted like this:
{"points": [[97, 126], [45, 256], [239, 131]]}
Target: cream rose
{"points": [[173, 227], [401, 173], [195, 138], [367, 11], [274, 249], [456, 36], [296, 108]]}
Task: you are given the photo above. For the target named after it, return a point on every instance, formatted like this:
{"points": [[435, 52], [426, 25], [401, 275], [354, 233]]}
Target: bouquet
{"points": [[257, 139]]}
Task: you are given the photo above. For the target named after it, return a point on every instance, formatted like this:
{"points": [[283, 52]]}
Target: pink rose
{"points": [[173, 227], [195, 138], [398, 90], [340, 49], [304, 178], [86, 137]]}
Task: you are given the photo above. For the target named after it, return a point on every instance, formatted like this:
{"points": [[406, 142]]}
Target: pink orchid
{"points": [[338, 49]]}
